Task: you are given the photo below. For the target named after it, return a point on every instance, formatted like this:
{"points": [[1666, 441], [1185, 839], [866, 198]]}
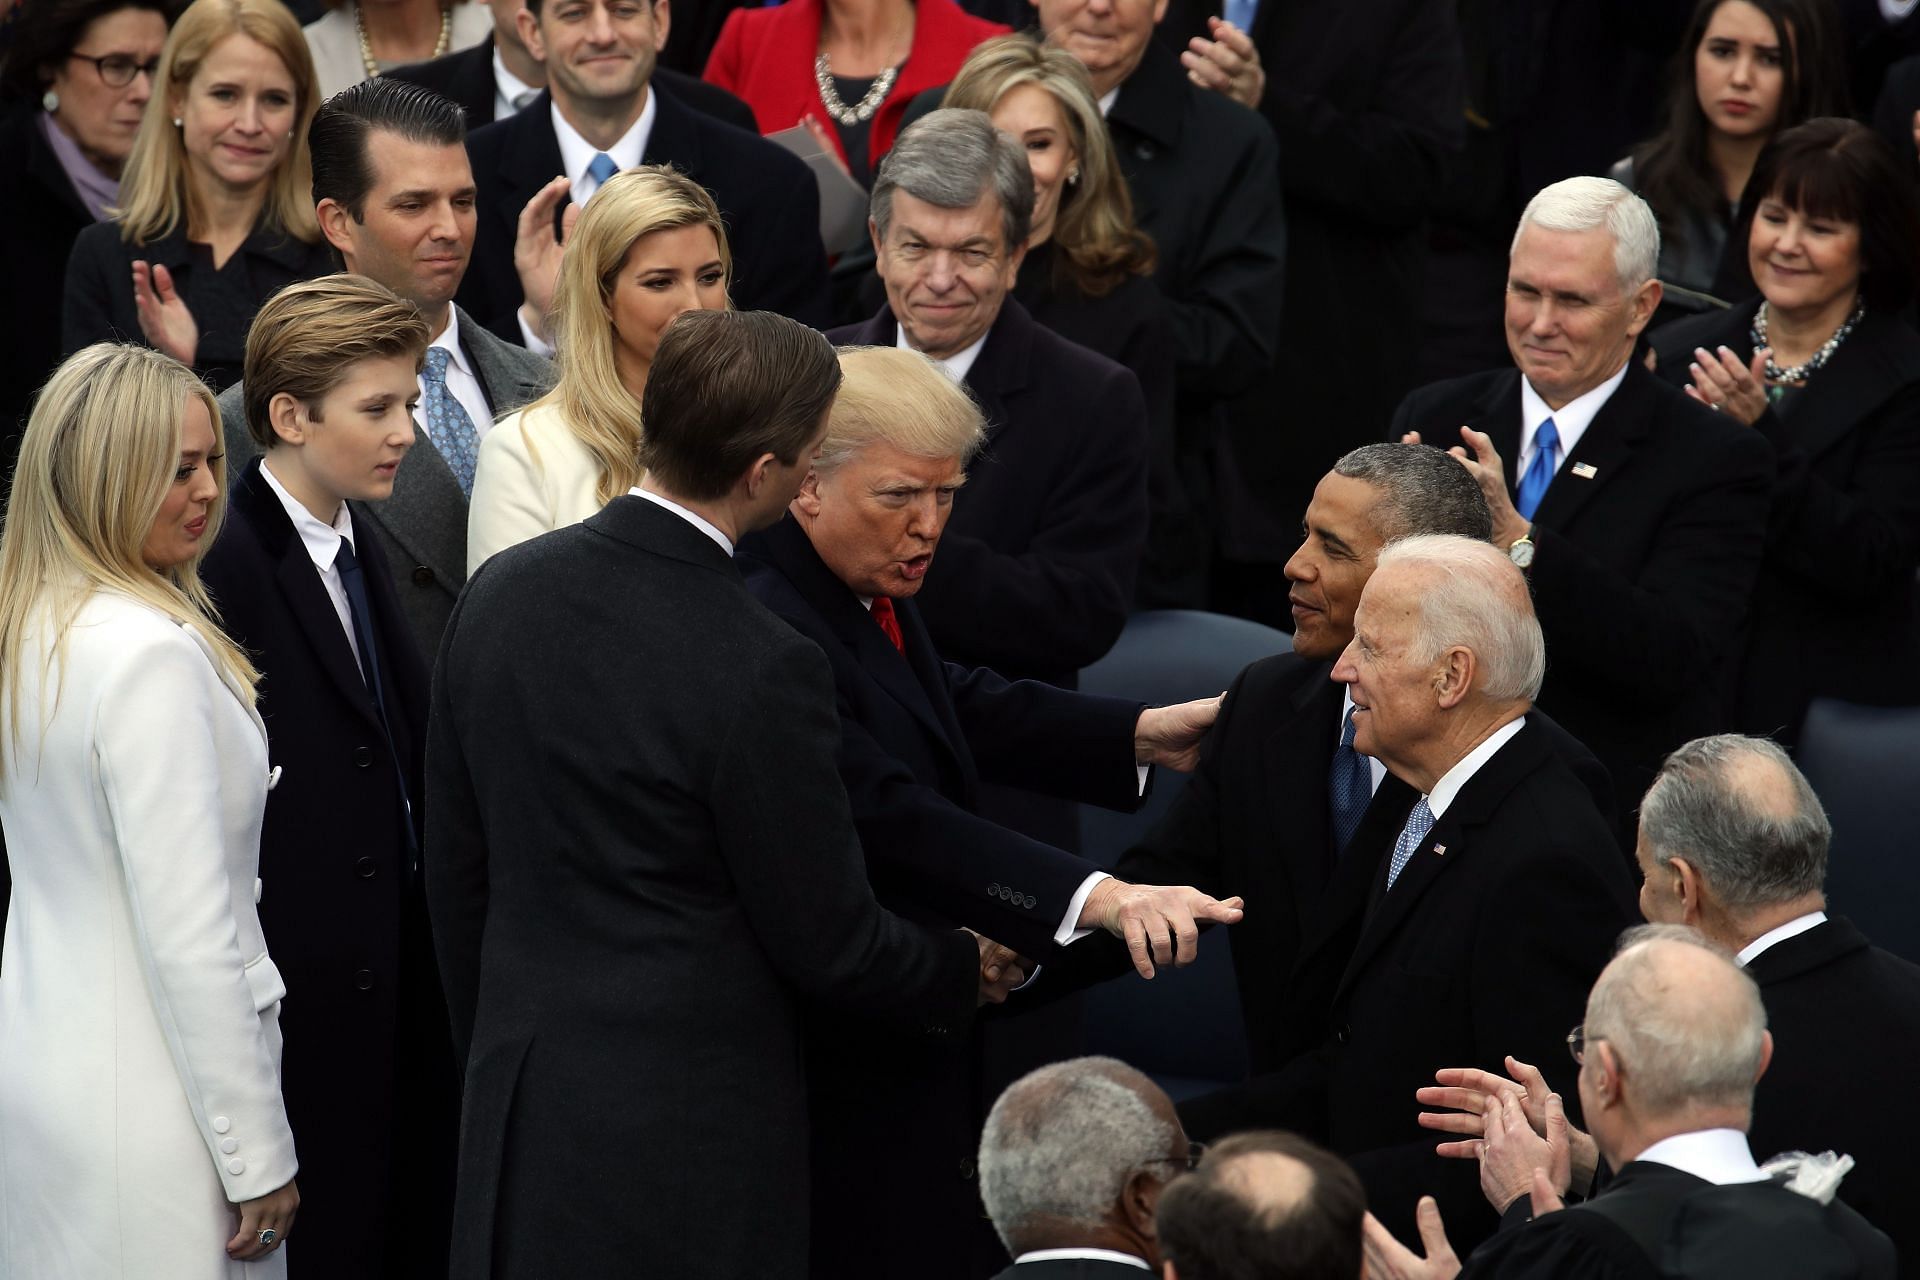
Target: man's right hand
{"points": [[1160, 924], [1470, 1098], [537, 254]]}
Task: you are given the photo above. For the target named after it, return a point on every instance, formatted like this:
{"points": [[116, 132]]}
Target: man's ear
{"points": [[879, 249], [529, 28], [807, 501], [1766, 1055], [1137, 1201], [288, 418], [1689, 888], [1454, 678], [757, 475], [662, 23], [1645, 301], [335, 224]]}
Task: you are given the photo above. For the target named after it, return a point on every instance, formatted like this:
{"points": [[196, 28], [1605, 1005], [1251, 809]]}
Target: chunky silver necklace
{"points": [[861, 111], [1801, 372], [371, 67]]}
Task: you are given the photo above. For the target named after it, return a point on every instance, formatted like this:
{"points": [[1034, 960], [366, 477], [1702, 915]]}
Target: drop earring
{"points": [[1073, 178], [50, 101], [177, 122]]}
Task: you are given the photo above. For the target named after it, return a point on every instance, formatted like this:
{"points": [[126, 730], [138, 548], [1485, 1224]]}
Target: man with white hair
{"points": [[1492, 908], [1638, 514], [1072, 1163], [1674, 1039]]}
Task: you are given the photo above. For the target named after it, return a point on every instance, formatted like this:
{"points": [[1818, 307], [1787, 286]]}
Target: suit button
{"points": [[966, 1167], [993, 889], [1031, 902], [221, 1124], [363, 756], [363, 979], [1344, 1034], [365, 868], [228, 1146], [422, 576], [236, 1166]]}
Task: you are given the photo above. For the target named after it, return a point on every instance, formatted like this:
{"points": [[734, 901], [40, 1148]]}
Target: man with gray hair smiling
{"points": [[1639, 515], [1072, 1163]]}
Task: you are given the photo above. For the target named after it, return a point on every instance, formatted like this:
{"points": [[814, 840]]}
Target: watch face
{"points": [[1521, 552]]}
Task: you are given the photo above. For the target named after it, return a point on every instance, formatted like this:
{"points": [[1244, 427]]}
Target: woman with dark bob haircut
{"points": [[1824, 363]]}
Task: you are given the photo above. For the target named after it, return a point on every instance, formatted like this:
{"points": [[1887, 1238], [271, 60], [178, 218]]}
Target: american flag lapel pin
{"points": [[1440, 849], [1585, 470]]}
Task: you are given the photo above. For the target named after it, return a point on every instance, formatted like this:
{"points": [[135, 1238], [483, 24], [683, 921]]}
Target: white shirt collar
{"points": [[1101, 1255], [957, 365], [507, 87], [1791, 929], [693, 518], [576, 153], [322, 540], [1570, 420], [1107, 100], [449, 338], [1455, 778], [1721, 1156]]}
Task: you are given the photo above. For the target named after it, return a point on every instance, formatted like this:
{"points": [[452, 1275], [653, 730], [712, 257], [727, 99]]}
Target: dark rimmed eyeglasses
{"points": [[1195, 1150], [117, 70]]}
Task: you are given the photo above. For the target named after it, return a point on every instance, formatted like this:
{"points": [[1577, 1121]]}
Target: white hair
{"points": [[1474, 596], [1061, 1142], [1587, 204]]}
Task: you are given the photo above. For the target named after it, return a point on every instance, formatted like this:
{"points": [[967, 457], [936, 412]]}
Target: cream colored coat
{"points": [[139, 1011], [533, 476]]}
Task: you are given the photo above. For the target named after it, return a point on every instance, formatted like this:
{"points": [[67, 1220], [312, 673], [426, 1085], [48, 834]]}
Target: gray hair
{"points": [[1474, 596], [1422, 490], [1061, 1142], [1737, 809], [1687, 1039], [1586, 204], [950, 158]]}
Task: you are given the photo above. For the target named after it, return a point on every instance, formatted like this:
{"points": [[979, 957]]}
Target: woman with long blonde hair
{"points": [[216, 202], [141, 1126], [648, 248]]}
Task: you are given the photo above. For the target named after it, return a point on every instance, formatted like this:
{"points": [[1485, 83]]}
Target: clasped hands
{"points": [[1228, 64]]}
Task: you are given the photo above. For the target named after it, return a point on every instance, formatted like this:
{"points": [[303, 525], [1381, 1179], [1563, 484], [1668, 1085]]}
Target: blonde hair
{"points": [[1100, 246], [96, 461], [890, 395], [307, 336], [155, 194], [593, 401]]}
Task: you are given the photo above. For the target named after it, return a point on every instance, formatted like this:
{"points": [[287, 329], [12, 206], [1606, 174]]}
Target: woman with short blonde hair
{"points": [[649, 247], [140, 1070]]}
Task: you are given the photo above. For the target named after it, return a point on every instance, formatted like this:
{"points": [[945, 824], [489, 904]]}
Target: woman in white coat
{"points": [[141, 1127], [649, 247]]}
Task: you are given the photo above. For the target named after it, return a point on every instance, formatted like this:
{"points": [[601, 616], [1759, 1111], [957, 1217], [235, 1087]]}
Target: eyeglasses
{"points": [[117, 70], [1577, 1042], [1195, 1150]]}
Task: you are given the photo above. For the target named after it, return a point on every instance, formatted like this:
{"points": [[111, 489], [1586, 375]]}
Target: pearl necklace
{"points": [[861, 111], [371, 67], [1801, 372]]}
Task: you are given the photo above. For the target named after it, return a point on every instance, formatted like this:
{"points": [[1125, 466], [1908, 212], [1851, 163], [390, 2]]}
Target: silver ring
{"points": [[268, 1235], [1715, 405]]}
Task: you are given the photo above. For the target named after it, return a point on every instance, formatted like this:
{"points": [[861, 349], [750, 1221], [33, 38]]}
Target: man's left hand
{"points": [[1171, 736], [1388, 1259], [1227, 64]]}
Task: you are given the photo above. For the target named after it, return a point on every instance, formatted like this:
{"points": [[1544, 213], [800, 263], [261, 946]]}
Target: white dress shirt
{"points": [[576, 153], [1570, 420], [1455, 778], [957, 365], [508, 88], [1721, 1156], [698, 521], [322, 541], [1376, 772], [1096, 1255], [1791, 929], [462, 383], [1107, 100]]}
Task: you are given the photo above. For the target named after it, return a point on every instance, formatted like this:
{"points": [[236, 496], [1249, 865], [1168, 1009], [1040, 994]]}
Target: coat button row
{"points": [[363, 757], [1002, 892], [365, 867], [363, 979], [422, 576]]}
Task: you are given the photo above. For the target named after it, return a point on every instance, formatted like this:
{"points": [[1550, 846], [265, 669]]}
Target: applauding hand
{"points": [[164, 317]]}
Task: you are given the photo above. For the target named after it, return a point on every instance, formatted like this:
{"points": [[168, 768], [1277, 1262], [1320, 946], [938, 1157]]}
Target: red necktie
{"points": [[889, 623]]}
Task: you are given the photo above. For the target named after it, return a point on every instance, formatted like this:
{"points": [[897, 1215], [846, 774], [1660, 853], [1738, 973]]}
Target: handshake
{"points": [[1160, 925]]}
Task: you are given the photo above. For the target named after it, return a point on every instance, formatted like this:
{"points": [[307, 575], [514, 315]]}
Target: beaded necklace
{"points": [[371, 67], [861, 111], [1778, 378]]}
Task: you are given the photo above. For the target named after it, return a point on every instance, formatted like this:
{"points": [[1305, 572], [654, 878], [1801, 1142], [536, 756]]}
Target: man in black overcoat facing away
{"points": [[641, 858]]}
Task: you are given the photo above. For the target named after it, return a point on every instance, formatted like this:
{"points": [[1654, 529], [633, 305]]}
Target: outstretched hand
{"points": [[1159, 923], [1171, 736], [1468, 1098], [164, 317]]}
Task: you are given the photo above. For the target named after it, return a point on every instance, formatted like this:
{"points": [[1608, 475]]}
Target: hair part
{"points": [[1473, 596], [727, 388], [897, 397], [338, 139], [306, 339], [1593, 204], [1264, 1205], [155, 193], [1423, 490], [952, 159]]}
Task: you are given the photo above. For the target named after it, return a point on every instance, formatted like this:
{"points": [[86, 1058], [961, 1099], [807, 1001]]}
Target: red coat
{"points": [[765, 56]]}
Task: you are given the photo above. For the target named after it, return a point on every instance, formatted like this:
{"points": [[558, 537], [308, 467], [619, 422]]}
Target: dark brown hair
{"points": [[1211, 1229]]}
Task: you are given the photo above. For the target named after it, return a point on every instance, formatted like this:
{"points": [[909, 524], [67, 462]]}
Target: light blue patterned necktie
{"points": [[1419, 822], [448, 425], [1533, 485]]}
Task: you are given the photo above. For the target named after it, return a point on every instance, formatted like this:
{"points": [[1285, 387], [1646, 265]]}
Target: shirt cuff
{"points": [[533, 341], [1067, 933], [1141, 769]]}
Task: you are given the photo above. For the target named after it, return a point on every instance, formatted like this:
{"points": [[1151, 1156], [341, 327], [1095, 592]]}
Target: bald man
{"points": [[1268, 1204]]}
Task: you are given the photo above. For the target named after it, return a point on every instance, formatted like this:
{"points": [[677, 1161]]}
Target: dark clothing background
{"points": [[39, 221]]}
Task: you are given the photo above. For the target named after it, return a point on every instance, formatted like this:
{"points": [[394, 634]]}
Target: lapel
{"points": [[1146, 121], [300, 588], [881, 330], [1337, 914], [1002, 367], [426, 513], [1873, 365], [529, 159], [1300, 749], [499, 369], [240, 695], [472, 82], [1815, 949], [674, 138], [1608, 445]]}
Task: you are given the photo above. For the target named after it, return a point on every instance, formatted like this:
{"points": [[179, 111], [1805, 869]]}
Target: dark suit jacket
{"points": [[1486, 946], [1845, 527], [365, 1029], [1841, 1009], [1657, 1221], [640, 860], [41, 218], [422, 527], [99, 290], [896, 1123], [1643, 571], [466, 76], [767, 196]]}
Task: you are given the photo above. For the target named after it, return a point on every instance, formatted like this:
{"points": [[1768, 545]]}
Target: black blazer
{"points": [[639, 861], [365, 1036], [466, 76], [1845, 528], [896, 1122], [1036, 569], [767, 196], [1486, 946], [1642, 571], [1842, 1009], [99, 290], [40, 219]]}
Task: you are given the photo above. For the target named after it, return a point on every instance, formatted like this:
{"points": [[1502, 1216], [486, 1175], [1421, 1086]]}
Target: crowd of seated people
{"points": [[540, 728]]}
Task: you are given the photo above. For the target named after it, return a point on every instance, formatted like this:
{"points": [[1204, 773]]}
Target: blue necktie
{"points": [[1419, 822], [600, 168], [1240, 12], [448, 425], [361, 613], [1533, 485], [1349, 787]]}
